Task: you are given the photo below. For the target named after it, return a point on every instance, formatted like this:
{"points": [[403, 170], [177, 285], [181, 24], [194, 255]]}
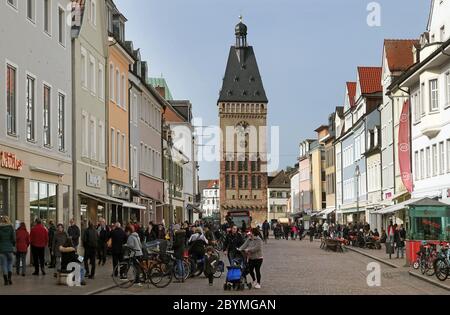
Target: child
{"points": [[211, 261]]}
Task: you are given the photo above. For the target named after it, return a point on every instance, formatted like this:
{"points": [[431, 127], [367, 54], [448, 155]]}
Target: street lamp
{"points": [[357, 175]]}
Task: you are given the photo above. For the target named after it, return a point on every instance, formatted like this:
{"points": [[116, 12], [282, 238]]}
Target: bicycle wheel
{"points": [[160, 276], [441, 269], [176, 271], [430, 269], [124, 275], [218, 273]]}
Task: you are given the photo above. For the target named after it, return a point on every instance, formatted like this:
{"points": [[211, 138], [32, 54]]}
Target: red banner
{"points": [[404, 148]]}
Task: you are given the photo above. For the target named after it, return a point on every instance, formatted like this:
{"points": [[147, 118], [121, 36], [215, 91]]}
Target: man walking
{"points": [[118, 238], [39, 241], [90, 243], [74, 233], [103, 237]]}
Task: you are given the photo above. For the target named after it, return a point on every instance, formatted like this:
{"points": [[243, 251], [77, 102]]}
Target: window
{"points": [[30, 97], [93, 13], [111, 82], [422, 164], [11, 110], [124, 152], [117, 88], [416, 106], [245, 181], [435, 159], [434, 95], [119, 149], [101, 81], [233, 181], [428, 162], [441, 158], [43, 201], [101, 137], [113, 147], [447, 81], [92, 75], [259, 182], [13, 3], [416, 165], [227, 181], [61, 122], [61, 26], [84, 135], [31, 9], [93, 138], [47, 110], [47, 16], [84, 75], [422, 99], [240, 180], [448, 155], [123, 93]]}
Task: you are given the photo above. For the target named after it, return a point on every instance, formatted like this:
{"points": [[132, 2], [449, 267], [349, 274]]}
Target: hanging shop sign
{"points": [[10, 161]]}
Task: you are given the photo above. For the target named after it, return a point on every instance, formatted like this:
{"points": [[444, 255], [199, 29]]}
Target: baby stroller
{"points": [[237, 275]]}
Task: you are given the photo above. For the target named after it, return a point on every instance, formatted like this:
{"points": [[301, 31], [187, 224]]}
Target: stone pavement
{"points": [[290, 267], [301, 267], [46, 285]]}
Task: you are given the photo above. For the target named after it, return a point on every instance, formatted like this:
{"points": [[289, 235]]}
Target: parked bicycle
{"points": [[442, 262]]}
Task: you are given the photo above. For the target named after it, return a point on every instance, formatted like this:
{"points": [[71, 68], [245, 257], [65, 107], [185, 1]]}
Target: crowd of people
{"points": [[56, 246]]}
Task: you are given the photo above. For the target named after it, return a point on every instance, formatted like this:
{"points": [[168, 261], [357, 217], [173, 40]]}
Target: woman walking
{"points": [[7, 243], [22, 244], [253, 248]]}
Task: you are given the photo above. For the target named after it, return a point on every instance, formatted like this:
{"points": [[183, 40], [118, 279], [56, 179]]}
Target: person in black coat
{"points": [[103, 237], [151, 233], [90, 244], [51, 236], [118, 239], [74, 233], [179, 242], [233, 241]]}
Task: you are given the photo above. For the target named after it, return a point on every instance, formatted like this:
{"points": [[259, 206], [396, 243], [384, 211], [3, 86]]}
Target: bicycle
{"points": [[442, 263], [162, 273], [128, 271], [427, 260]]}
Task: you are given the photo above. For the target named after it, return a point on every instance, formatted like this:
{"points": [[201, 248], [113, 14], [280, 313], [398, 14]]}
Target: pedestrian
{"points": [[253, 249], [135, 245], [22, 244], [325, 228], [151, 233], [400, 236], [90, 243], [161, 232], [197, 243], [243, 227], [265, 229], [211, 261], [103, 237], [118, 239], [312, 232], [74, 233], [59, 239], [7, 244], [39, 241], [69, 255], [179, 246], [294, 232], [209, 235], [51, 235], [233, 241]]}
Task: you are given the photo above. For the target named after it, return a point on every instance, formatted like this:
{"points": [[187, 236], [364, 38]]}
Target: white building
{"points": [[210, 198], [429, 86], [295, 192], [35, 110], [278, 195]]}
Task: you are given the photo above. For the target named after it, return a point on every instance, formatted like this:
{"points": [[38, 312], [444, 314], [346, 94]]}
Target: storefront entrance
{"points": [[4, 200]]}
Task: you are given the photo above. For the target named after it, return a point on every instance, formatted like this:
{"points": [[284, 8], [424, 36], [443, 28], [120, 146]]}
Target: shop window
{"points": [[43, 199]]}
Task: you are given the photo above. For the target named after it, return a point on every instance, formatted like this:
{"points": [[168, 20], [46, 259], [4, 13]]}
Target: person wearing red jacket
{"points": [[39, 241], [22, 244]]}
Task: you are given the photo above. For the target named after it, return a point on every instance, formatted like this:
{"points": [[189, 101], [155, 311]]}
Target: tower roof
{"points": [[242, 81]]}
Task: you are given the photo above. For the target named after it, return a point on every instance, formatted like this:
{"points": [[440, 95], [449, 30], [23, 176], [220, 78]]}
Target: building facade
{"points": [[304, 170], [120, 58], [429, 85], [279, 194], [36, 128], [242, 106], [210, 192]]}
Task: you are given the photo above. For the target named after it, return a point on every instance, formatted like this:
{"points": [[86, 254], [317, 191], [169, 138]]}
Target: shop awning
{"points": [[395, 208], [101, 197], [132, 205]]}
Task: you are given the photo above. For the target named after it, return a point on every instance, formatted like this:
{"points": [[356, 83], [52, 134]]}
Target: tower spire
{"points": [[241, 33]]}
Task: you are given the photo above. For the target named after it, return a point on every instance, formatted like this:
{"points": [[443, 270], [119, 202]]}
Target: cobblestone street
{"points": [[293, 267]]}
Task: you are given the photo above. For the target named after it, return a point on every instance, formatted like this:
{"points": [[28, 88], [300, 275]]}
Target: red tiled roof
{"points": [[213, 183], [370, 79], [351, 90], [399, 53]]}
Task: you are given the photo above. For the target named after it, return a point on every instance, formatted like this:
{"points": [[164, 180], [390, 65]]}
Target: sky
{"points": [[306, 51]]}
